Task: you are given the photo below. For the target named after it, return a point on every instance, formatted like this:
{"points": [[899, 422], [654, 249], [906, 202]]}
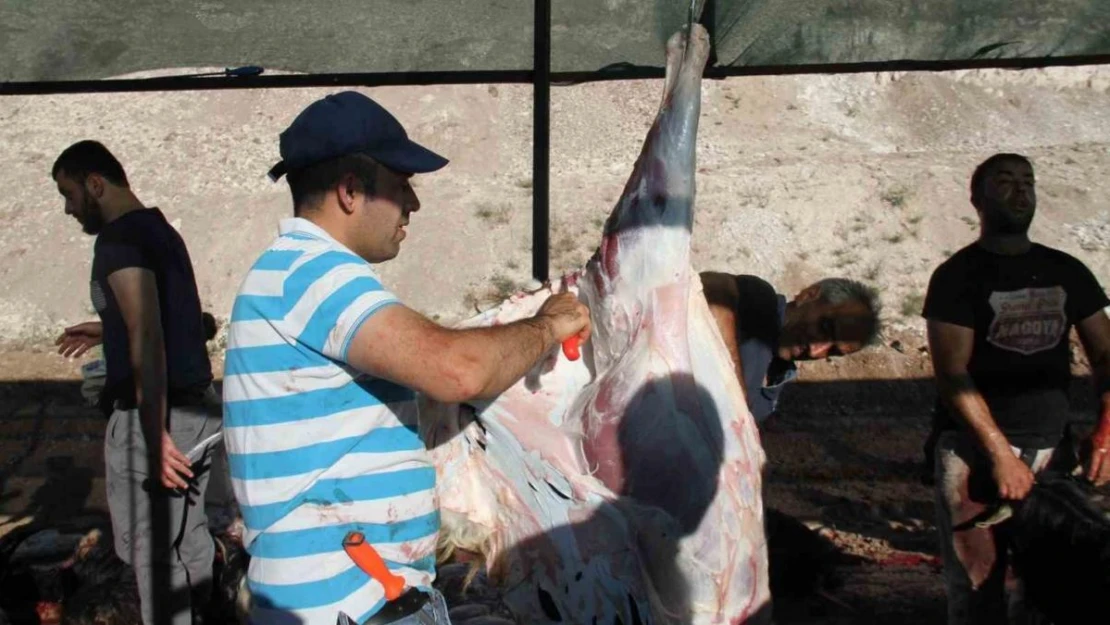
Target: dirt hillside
{"points": [[799, 178]]}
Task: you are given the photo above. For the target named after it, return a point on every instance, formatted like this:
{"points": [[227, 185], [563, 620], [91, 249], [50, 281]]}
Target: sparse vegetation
{"points": [[845, 257], [915, 219], [563, 244], [472, 300], [895, 196], [503, 286], [895, 238], [759, 199], [524, 183], [912, 303], [499, 288], [497, 215], [872, 272]]}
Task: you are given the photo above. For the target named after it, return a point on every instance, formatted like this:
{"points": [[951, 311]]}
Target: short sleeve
{"points": [[334, 307], [947, 298], [121, 253], [1085, 295], [757, 312]]}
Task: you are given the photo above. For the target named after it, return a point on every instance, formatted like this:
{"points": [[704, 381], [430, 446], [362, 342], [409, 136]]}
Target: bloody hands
{"points": [[1098, 462], [76, 340], [174, 465], [1013, 477], [567, 317]]}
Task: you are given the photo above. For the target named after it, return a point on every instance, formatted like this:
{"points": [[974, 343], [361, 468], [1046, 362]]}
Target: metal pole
{"points": [[541, 140]]}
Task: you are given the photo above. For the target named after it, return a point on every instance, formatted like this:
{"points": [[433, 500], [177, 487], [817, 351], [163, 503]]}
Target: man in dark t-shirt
{"points": [[999, 313], [766, 334], [158, 389]]}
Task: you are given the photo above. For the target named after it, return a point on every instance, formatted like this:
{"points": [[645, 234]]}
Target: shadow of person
{"points": [[638, 559], [61, 497]]}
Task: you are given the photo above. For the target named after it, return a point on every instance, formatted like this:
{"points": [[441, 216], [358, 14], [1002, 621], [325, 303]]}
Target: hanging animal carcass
{"points": [[624, 487]]}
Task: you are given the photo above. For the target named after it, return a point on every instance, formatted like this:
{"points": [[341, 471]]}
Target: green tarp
{"points": [[49, 40]]}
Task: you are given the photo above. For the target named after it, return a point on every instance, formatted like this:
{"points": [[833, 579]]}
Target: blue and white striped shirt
{"points": [[315, 448]]}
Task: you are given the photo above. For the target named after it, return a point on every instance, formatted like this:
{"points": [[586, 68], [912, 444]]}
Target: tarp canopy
{"points": [[63, 40]]}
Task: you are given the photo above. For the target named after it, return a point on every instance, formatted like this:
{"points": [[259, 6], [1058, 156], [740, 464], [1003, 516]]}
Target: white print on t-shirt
{"points": [[1028, 321]]}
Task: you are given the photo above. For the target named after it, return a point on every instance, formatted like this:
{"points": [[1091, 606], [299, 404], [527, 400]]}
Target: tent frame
{"points": [[541, 77]]}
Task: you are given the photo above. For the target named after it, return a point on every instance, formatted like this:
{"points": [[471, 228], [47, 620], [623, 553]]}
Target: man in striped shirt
{"points": [[322, 368]]}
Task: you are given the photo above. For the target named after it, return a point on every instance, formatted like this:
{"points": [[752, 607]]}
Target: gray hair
{"points": [[836, 291]]}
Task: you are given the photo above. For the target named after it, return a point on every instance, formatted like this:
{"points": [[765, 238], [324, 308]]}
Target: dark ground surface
{"points": [[842, 455]]}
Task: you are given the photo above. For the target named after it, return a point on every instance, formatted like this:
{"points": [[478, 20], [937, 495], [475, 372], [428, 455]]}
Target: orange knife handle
{"points": [[570, 348], [366, 557]]}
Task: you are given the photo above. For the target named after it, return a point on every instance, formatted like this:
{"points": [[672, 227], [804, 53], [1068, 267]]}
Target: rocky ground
{"points": [[799, 178]]}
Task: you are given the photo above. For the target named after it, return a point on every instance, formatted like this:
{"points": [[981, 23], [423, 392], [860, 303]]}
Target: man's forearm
{"points": [[148, 362], [1101, 376], [960, 395], [504, 354], [1104, 416]]}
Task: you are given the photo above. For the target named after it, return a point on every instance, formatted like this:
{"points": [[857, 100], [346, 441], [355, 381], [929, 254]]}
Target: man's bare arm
{"points": [[453, 365], [722, 297], [136, 292], [950, 348], [1094, 333]]}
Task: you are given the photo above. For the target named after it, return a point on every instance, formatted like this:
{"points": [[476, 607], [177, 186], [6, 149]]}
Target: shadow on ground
{"points": [[842, 455]]}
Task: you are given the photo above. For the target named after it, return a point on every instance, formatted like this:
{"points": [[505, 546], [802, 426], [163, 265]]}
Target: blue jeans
{"points": [[433, 613]]}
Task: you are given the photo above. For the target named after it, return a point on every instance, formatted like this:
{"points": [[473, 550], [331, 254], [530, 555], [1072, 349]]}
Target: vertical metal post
{"points": [[708, 19], [541, 140]]}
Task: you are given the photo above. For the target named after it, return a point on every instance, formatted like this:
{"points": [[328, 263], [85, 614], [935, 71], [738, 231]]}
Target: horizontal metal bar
{"points": [[185, 83], [640, 72], [617, 72]]}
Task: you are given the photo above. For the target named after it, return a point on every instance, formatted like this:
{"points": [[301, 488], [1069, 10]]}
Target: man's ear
{"points": [[347, 192], [94, 185]]}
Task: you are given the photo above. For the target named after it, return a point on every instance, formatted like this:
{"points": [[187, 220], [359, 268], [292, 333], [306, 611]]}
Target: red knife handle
{"points": [[367, 559]]}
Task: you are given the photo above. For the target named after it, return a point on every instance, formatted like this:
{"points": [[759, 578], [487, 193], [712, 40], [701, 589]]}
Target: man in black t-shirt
{"points": [[158, 390], [766, 335], [999, 313]]}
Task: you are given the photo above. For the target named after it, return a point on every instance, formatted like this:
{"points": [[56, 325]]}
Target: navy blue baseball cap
{"points": [[351, 123]]}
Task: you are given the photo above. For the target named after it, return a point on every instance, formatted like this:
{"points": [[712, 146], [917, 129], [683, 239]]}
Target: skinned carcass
{"points": [[624, 487]]}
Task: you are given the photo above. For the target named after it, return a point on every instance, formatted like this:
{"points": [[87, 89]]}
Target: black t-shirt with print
{"points": [[1021, 308], [143, 238]]}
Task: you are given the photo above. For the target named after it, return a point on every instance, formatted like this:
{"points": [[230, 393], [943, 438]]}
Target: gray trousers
{"points": [[186, 546]]}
